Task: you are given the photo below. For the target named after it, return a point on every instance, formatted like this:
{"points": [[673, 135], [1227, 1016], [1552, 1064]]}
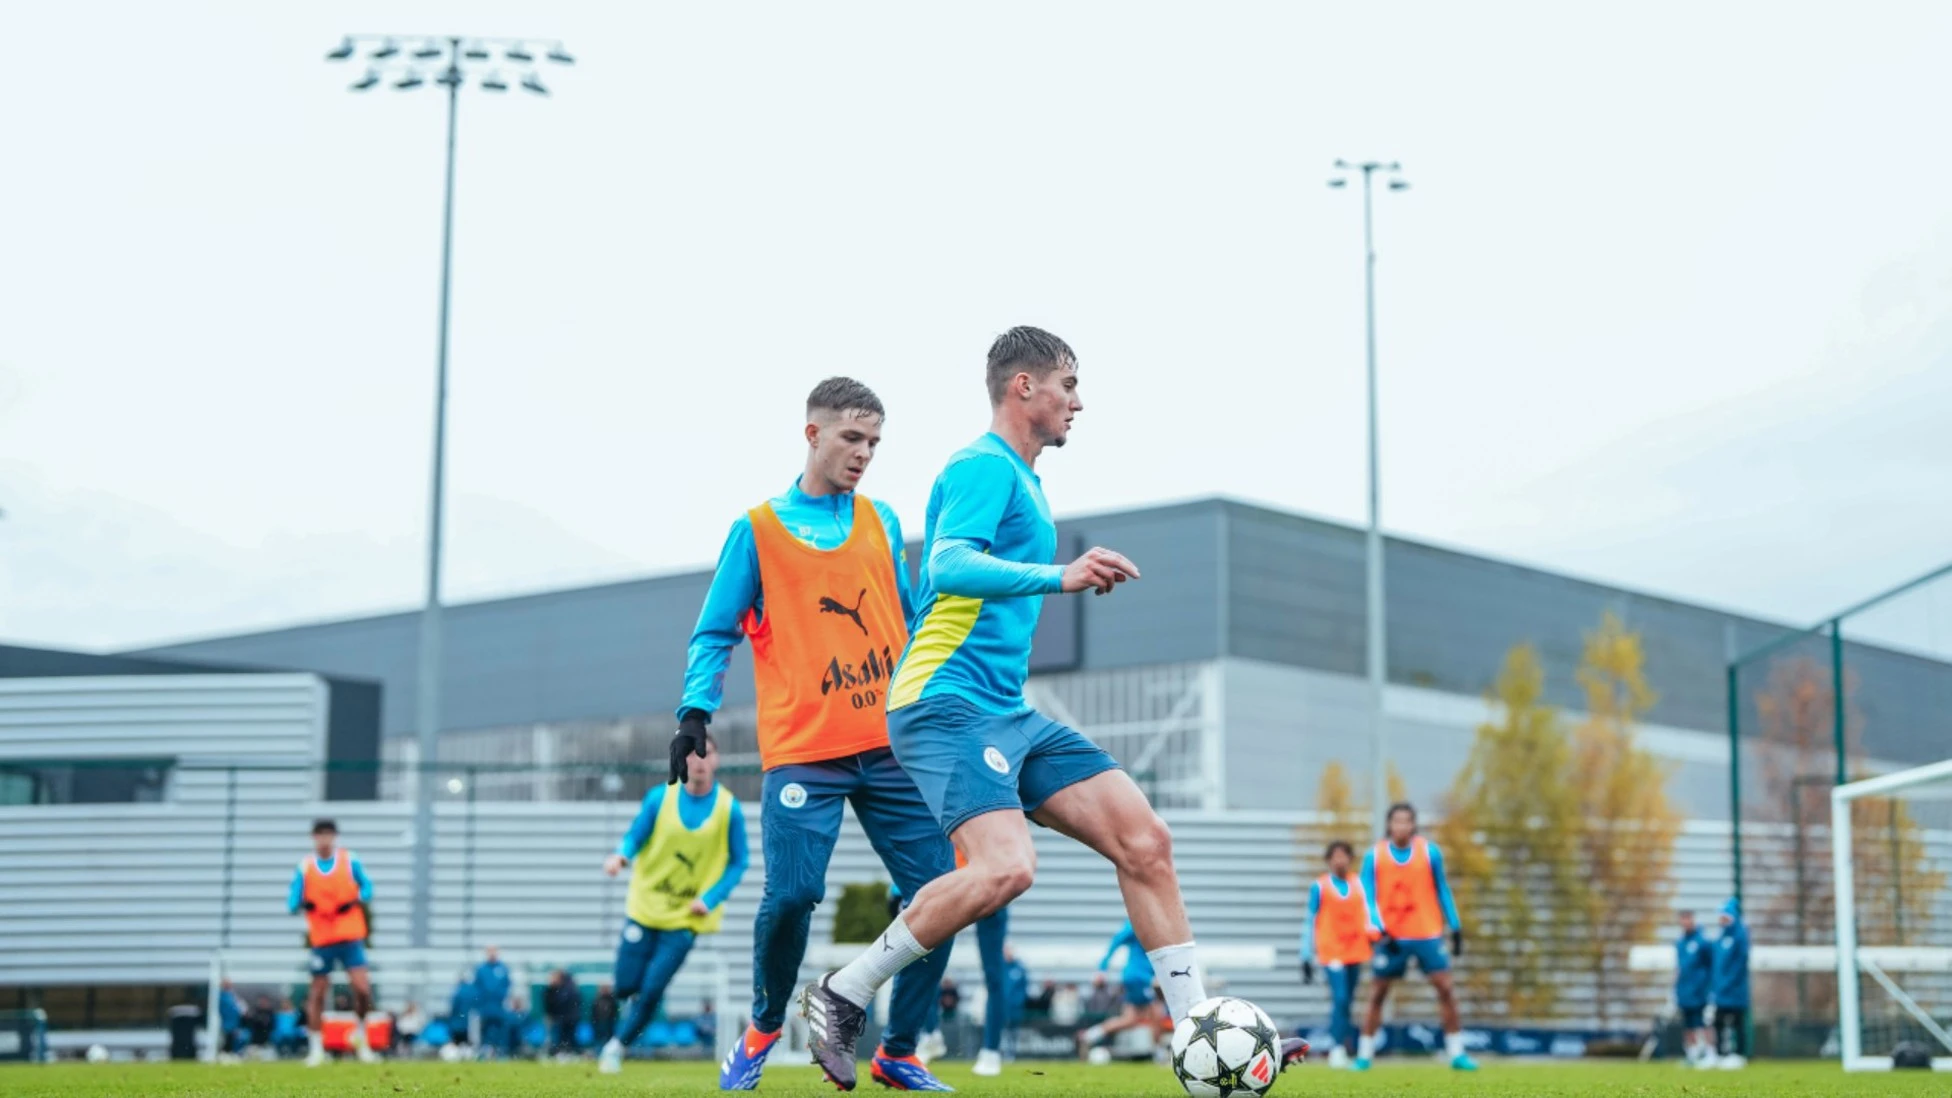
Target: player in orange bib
{"points": [[1410, 906], [816, 579], [332, 889], [1337, 936]]}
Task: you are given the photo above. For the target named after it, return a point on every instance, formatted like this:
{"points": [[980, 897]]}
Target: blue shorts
{"points": [[1138, 993], [347, 955], [968, 762], [1694, 1017], [1393, 962]]}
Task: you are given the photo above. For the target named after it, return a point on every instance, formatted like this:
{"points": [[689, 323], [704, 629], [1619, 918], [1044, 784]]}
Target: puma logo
{"points": [[1187, 971], [680, 855], [830, 605], [886, 945]]}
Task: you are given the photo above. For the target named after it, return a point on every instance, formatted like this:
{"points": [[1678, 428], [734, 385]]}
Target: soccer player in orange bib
{"points": [[1410, 906], [816, 578], [1338, 937], [332, 889]]}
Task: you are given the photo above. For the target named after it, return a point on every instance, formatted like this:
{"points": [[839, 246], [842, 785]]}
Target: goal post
{"points": [[1932, 781]]}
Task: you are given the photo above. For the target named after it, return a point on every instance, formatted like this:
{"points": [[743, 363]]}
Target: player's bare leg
{"points": [[315, 1019], [1001, 864], [362, 1005], [1453, 1025], [1109, 813], [1372, 1021]]}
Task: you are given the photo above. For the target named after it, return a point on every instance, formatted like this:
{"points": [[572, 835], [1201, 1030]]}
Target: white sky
{"points": [[1666, 306]]}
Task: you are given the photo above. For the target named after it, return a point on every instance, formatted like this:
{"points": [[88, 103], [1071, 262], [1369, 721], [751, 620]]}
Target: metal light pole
{"points": [[454, 59], [1373, 541]]}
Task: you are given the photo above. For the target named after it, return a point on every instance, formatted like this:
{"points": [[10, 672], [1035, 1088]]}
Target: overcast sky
{"points": [[1667, 304]]}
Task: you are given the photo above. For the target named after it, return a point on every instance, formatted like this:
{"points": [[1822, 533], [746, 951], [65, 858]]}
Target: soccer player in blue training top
{"points": [[1694, 965], [816, 577], [687, 852], [332, 889], [1410, 907], [959, 724], [1730, 988], [1136, 979]]}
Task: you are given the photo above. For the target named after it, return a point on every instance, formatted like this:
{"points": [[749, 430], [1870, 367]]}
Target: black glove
{"points": [[309, 906], [688, 740], [347, 906], [1457, 943], [1307, 972]]}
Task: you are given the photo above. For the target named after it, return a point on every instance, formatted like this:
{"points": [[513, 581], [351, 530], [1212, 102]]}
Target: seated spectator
{"points": [[707, 1026], [603, 1015], [1067, 1005], [562, 1002], [408, 1026], [288, 1036], [258, 1021], [1104, 999], [1038, 1005]]}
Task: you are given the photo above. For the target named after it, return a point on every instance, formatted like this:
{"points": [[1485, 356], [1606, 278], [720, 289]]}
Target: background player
{"points": [[1694, 965], [992, 932], [959, 724], [1135, 980], [1730, 988], [816, 577], [332, 889], [1410, 906], [687, 851], [1337, 934]]}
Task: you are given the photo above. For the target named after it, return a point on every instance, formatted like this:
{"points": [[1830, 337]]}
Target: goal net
{"points": [[1891, 851], [427, 977]]}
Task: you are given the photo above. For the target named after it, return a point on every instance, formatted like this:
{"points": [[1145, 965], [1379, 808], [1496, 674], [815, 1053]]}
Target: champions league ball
{"points": [[1225, 1047]]}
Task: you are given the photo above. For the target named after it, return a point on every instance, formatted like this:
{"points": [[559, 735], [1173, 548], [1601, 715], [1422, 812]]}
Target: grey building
{"points": [[1228, 676]]}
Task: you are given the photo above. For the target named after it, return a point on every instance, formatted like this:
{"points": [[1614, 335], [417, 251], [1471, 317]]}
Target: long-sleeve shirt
{"points": [[693, 811], [491, 986], [1138, 966], [1694, 966], [1731, 972], [1402, 856], [824, 522], [295, 898]]}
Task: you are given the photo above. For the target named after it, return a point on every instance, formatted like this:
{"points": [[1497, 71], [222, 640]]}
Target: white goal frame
{"points": [[1850, 961]]}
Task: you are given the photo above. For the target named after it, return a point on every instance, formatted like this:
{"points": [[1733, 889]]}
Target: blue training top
{"points": [[693, 812], [295, 897], [824, 522], [1694, 963], [988, 545], [1730, 981], [1138, 966], [1401, 855]]}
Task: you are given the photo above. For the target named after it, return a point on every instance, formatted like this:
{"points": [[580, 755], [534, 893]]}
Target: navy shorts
{"points": [[1694, 1017], [1393, 962], [346, 955], [968, 763]]}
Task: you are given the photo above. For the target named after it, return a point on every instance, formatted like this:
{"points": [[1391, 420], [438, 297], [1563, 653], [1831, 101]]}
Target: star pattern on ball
{"points": [[1209, 1026]]}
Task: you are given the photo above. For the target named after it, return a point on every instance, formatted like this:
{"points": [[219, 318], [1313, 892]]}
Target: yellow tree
{"points": [[1339, 814], [1509, 833], [1627, 824]]}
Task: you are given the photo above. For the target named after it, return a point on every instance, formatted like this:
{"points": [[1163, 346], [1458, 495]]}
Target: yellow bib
{"points": [[679, 864]]}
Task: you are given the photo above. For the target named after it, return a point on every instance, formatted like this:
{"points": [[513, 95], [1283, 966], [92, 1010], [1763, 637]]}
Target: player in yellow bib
{"points": [[687, 852]]}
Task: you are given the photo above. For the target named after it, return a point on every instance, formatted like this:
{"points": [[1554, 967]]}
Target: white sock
{"points": [[318, 1042], [1179, 977], [895, 950], [1366, 1046], [1453, 1045]]}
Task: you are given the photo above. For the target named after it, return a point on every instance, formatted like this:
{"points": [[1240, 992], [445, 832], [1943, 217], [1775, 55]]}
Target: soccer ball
{"points": [[97, 1054], [1225, 1047]]}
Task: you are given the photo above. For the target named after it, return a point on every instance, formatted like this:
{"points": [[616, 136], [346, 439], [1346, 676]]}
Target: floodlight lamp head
{"points": [[1398, 185], [493, 82], [428, 50], [344, 51], [371, 78], [560, 55], [534, 84], [518, 53], [1338, 182], [387, 49], [477, 52], [409, 82]]}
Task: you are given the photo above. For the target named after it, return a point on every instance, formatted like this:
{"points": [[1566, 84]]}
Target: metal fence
{"points": [[1862, 692]]}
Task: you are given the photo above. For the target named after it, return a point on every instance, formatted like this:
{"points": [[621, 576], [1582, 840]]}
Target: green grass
{"points": [[526, 1080]]}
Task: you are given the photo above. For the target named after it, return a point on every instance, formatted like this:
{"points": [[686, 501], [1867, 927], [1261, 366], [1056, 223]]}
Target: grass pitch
{"points": [[528, 1080]]}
